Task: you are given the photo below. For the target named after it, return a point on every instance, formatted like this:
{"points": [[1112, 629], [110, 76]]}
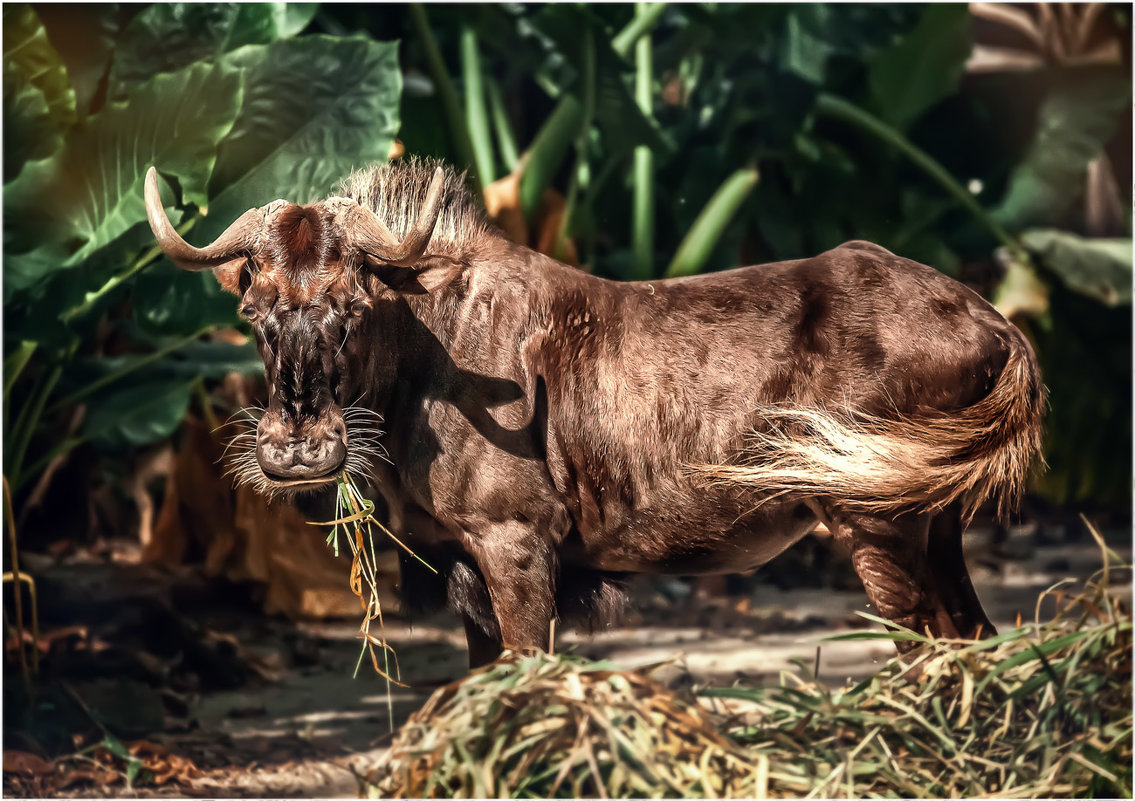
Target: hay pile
{"points": [[1044, 710], [1039, 711], [544, 726]]}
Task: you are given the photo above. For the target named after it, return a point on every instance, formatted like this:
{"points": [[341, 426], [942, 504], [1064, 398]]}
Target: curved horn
{"points": [[240, 236], [372, 236]]}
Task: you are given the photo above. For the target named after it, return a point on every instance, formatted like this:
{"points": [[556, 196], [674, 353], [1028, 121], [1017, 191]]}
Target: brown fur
{"points": [[549, 423], [926, 461]]}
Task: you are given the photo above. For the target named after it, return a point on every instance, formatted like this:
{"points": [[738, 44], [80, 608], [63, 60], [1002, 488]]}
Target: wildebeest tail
{"points": [[922, 462]]}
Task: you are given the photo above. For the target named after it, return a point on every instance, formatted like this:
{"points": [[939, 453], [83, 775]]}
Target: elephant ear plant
{"points": [[103, 339]]}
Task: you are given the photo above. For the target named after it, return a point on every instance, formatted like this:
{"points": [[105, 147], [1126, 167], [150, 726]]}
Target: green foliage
{"points": [[860, 121], [234, 109], [89, 193], [1075, 120], [922, 68], [38, 101], [1098, 268]]}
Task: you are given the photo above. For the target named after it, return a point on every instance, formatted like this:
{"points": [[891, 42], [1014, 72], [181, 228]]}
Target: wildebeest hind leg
{"points": [[891, 558], [948, 569]]}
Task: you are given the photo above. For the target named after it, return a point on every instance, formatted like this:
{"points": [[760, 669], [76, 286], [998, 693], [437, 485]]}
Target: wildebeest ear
{"points": [[233, 275], [427, 275]]}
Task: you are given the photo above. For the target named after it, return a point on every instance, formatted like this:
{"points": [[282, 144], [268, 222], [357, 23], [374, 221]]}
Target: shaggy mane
{"points": [[396, 190]]}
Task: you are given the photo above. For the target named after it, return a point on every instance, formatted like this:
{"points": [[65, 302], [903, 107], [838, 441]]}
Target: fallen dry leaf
{"points": [[26, 764]]}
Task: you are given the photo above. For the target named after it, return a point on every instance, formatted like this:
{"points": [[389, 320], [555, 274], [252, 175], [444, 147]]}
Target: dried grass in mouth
{"points": [[354, 513], [1044, 710]]}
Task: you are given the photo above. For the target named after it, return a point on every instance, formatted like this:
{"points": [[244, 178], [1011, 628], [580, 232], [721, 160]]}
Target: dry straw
{"points": [[1044, 710], [354, 515]]}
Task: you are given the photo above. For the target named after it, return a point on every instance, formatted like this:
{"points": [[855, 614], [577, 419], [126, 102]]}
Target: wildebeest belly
{"points": [[713, 533]]}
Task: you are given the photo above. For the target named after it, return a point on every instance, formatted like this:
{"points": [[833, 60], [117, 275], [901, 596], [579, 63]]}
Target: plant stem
{"points": [[581, 161], [17, 590], [547, 151], [707, 229], [206, 404], [24, 432], [450, 105], [645, 19], [642, 234], [551, 142], [506, 142], [126, 370], [476, 114], [142, 261], [15, 364], [840, 109]]}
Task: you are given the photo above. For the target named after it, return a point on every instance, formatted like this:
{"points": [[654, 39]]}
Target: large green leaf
{"points": [[138, 412], [1098, 268], [30, 132], [167, 300], [24, 270], [170, 36], [194, 359], [923, 67], [85, 35], [1075, 121], [39, 293], [814, 34], [91, 191], [315, 108], [147, 399], [28, 51]]}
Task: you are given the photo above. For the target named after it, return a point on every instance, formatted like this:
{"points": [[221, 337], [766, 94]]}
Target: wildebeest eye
{"points": [[249, 312], [357, 309]]}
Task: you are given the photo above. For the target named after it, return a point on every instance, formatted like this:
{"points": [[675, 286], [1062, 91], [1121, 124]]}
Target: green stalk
{"points": [[707, 229], [451, 107], [840, 109], [506, 142], [1021, 278], [580, 174], [476, 114], [145, 259], [642, 218], [593, 190], [645, 19], [552, 141], [15, 364], [124, 371], [547, 152], [24, 433]]}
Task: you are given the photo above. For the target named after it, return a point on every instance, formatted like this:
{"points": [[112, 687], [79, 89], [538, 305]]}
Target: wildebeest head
{"points": [[306, 279]]}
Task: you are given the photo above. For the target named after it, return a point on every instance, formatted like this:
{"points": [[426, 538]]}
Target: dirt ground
{"points": [[266, 707]]}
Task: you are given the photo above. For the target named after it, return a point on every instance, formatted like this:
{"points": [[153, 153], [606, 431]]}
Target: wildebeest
{"points": [[549, 432]]}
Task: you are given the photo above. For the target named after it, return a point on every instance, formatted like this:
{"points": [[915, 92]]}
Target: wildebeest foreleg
{"points": [[519, 569], [483, 649]]}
